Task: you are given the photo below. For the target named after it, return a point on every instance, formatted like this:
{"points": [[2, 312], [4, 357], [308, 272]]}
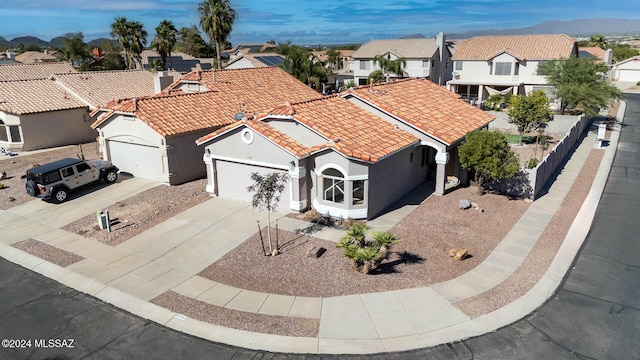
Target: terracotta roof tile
{"points": [[245, 82], [35, 96], [594, 51], [426, 106], [100, 87], [530, 47], [406, 48], [241, 90], [34, 71], [347, 128]]}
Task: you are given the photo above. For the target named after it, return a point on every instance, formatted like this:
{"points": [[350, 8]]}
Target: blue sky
{"points": [[303, 21]]}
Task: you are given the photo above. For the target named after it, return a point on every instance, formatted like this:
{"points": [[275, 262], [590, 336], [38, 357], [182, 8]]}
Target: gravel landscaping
{"points": [[47, 252], [270, 324], [421, 259]]}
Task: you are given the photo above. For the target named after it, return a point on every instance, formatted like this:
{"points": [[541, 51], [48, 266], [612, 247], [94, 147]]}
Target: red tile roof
{"points": [[35, 96], [426, 106], [247, 82], [594, 51], [530, 47], [249, 92], [100, 87], [347, 128], [34, 71]]}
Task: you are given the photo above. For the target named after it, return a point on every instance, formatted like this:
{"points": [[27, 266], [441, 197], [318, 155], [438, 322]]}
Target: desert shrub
{"points": [[533, 162]]}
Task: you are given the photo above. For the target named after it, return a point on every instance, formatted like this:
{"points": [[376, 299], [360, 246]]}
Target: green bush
{"points": [[533, 162]]}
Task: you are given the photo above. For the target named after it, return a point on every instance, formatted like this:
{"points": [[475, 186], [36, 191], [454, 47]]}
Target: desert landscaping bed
{"points": [[47, 252], [141, 212], [271, 324], [421, 259], [14, 192]]}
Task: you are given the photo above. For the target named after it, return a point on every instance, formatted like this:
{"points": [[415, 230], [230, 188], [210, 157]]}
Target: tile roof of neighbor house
{"points": [[250, 85], [592, 51], [30, 57], [99, 87], [406, 48], [348, 129], [426, 106], [531, 47], [35, 96], [34, 71], [245, 90], [181, 62]]}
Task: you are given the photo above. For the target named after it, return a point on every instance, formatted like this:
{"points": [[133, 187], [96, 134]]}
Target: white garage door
{"points": [[629, 75], [139, 160], [234, 178]]}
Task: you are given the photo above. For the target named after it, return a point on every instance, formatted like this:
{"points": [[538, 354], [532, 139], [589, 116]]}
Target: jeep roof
{"points": [[54, 165]]}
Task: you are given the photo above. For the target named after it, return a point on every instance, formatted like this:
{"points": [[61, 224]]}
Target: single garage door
{"points": [[234, 178], [139, 160], [632, 75]]}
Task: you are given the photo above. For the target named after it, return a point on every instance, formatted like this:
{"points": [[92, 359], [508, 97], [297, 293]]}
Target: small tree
{"points": [[530, 112], [488, 154], [266, 191], [366, 256], [579, 83]]}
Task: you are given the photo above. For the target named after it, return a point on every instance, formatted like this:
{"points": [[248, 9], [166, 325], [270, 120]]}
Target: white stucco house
{"points": [[627, 70], [428, 58], [348, 155], [487, 65]]}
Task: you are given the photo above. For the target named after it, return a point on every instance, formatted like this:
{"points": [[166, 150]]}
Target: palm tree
{"points": [[165, 41], [120, 31], [599, 41], [216, 19], [138, 40], [390, 66]]}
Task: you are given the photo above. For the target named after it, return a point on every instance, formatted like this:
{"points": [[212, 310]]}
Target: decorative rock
{"points": [[12, 199], [314, 252], [475, 205], [479, 209], [459, 254], [3, 175], [464, 204], [528, 201]]}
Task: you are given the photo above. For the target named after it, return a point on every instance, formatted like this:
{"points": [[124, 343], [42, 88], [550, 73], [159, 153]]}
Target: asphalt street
{"points": [[595, 314]]}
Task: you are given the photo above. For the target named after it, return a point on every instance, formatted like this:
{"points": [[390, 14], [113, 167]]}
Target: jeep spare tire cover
{"points": [[32, 188]]}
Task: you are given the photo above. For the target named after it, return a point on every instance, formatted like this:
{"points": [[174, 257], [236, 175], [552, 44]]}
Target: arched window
{"points": [[3, 132], [333, 185]]}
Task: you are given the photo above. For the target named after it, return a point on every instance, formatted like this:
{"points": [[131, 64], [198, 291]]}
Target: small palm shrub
{"points": [[366, 256]]}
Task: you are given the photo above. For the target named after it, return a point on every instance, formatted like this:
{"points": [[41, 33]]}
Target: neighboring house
{"points": [[242, 49], [487, 65], [179, 61], [426, 58], [36, 114], [64, 119], [30, 57], [96, 88], [34, 71], [348, 155], [255, 60], [154, 137], [627, 70]]}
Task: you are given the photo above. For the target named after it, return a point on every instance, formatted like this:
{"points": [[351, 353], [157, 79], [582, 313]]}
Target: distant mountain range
{"points": [[580, 27], [55, 42]]}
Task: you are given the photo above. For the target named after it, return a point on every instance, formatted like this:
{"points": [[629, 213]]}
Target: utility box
{"points": [[602, 133], [103, 220]]}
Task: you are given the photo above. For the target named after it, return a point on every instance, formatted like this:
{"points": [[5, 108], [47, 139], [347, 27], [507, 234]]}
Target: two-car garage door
{"points": [[139, 160], [234, 178]]}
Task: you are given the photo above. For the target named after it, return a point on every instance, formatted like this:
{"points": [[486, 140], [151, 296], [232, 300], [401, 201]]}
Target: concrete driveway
{"points": [[83, 202]]}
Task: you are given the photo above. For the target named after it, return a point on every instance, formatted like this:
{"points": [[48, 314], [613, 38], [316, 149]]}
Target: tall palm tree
{"points": [[120, 31], [216, 19], [138, 40], [165, 41]]}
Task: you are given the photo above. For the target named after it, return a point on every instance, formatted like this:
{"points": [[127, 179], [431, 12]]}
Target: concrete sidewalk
{"points": [[170, 255]]}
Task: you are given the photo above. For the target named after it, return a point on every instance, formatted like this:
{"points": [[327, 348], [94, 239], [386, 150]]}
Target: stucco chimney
{"points": [[161, 81], [441, 41], [608, 57]]}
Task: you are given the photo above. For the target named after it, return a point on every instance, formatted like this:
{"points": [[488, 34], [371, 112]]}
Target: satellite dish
{"points": [[239, 115]]}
